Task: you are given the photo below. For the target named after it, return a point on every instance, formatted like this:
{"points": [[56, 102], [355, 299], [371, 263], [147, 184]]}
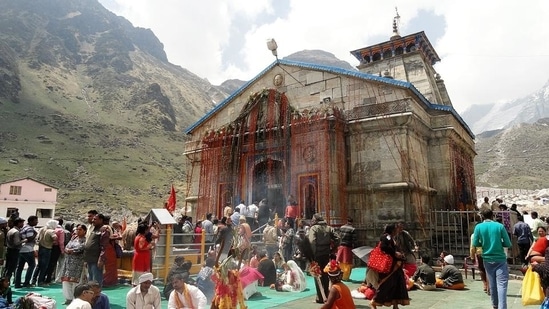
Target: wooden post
{"points": [[168, 251], [202, 247]]}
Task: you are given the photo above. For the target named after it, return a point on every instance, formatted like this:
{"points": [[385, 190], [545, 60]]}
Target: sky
{"points": [[491, 51]]}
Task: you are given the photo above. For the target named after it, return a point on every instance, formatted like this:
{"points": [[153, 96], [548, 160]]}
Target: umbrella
{"points": [[363, 252]]}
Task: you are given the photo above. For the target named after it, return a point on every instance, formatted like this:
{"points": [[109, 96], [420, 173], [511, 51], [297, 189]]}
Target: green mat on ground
{"points": [[266, 298]]}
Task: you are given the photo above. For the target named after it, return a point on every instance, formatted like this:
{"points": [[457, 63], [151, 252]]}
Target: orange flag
{"points": [[170, 204], [124, 224]]}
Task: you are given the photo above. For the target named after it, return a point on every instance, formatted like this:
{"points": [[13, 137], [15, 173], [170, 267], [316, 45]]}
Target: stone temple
{"points": [[378, 144]]}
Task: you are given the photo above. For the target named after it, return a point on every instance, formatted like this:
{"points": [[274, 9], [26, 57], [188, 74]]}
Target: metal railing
{"points": [[452, 230]]}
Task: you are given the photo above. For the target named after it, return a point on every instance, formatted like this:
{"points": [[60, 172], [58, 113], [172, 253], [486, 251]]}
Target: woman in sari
{"points": [[110, 277], [73, 264], [391, 288], [292, 279]]}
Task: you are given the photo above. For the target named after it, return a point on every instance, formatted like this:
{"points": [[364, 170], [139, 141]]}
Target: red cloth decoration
{"points": [[380, 261], [249, 275], [170, 204]]}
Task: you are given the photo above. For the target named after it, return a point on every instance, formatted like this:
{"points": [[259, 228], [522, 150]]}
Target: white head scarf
{"points": [[52, 224], [300, 283]]}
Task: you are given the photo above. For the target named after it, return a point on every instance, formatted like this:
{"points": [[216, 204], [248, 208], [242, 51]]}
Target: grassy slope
{"points": [[96, 158]]}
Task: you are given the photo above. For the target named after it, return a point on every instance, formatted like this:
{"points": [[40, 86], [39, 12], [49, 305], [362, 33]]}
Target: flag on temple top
{"points": [[170, 204]]}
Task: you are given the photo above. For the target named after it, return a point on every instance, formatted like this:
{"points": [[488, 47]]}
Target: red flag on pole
{"points": [[170, 204]]}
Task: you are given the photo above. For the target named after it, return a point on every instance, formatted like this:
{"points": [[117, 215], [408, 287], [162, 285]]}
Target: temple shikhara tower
{"points": [[378, 144]]}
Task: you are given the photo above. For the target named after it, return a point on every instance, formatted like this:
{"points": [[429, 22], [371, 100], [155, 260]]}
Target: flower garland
{"points": [[314, 269], [228, 288], [316, 272]]}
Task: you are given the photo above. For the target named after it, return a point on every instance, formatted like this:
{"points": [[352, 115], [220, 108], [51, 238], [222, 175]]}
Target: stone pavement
{"points": [[471, 298]]}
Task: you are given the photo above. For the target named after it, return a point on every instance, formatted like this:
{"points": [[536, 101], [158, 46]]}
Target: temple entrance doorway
{"points": [[267, 183], [308, 195]]}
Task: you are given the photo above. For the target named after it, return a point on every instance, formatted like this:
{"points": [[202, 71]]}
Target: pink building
{"points": [[29, 197]]}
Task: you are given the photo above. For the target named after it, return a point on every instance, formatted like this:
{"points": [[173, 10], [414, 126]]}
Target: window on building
{"points": [[15, 190], [10, 211], [44, 213], [47, 189]]}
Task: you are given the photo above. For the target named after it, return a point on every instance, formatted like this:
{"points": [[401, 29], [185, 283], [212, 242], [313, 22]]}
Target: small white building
{"points": [[29, 197]]}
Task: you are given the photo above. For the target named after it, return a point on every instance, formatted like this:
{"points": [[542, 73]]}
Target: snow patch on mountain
{"points": [[496, 116]]}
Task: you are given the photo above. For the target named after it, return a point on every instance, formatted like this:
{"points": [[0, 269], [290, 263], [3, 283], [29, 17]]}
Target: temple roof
{"points": [[419, 40], [336, 71]]}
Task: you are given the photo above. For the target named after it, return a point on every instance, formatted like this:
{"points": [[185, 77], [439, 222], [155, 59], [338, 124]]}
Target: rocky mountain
{"points": [[91, 105], [529, 109], [320, 57], [514, 157], [512, 140]]}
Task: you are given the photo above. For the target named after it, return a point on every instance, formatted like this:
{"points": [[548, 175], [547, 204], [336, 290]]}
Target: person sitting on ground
{"points": [[83, 295], [204, 279], [267, 269], [5, 290], [339, 295], [278, 261], [254, 260], [450, 277], [440, 259], [99, 300], [180, 266], [292, 279], [424, 278], [185, 295], [145, 295]]}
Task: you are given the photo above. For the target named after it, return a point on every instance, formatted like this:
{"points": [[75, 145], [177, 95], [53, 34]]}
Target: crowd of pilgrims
{"points": [[283, 251], [84, 258], [59, 252]]}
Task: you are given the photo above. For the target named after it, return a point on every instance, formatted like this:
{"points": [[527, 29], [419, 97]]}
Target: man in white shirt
{"points": [[235, 217], [536, 224], [145, 295], [185, 295], [241, 207], [251, 216], [207, 225]]}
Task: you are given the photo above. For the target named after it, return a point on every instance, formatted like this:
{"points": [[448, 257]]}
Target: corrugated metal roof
{"points": [[336, 71], [162, 215]]}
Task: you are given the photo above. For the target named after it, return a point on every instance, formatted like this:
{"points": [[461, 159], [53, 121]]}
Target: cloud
{"points": [[491, 51]]}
